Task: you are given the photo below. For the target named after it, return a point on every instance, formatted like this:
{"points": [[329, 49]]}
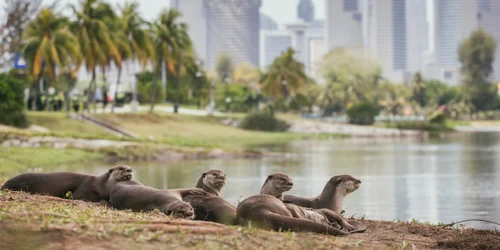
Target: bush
{"points": [[420, 125], [144, 90], [263, 121], [362, 114], [12, 102]]}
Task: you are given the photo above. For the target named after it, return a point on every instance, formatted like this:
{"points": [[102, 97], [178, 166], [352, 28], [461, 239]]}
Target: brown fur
{"points": [[137, 197], [81, 186], [268, 212], [332, 196], [212, 207]]}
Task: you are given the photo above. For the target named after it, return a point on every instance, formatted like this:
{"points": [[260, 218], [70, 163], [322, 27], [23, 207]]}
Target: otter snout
{"points": [[357, 182], [290, 183]]}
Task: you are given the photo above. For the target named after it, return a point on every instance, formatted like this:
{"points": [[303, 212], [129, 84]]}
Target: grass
{"points": [[14, 160], [197, 131], [41, 222], [60, 124]]}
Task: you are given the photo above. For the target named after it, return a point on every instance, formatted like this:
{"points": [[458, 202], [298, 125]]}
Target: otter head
{"points": [[276, 184], [345, 184], [180, 209], [214, 178], [120, 173]]}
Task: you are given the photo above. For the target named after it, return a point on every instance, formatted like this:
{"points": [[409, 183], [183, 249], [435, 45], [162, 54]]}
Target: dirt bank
{"points": [[39, 222]]}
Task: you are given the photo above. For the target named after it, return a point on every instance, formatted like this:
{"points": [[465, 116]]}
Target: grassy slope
{"points": [[197, 131], [16, 160], [60, 124], [40, 222]]}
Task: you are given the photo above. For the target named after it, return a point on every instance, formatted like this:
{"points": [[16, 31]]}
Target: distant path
{"points": [[305, 126], [167, 109]]}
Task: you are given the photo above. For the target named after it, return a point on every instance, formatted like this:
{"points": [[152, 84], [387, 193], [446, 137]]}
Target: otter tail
{"points": [[299, 225]]}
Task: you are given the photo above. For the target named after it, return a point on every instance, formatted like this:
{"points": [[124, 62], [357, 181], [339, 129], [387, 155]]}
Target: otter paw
{"points": [[347, 226], [287, 201], [197, 191]]}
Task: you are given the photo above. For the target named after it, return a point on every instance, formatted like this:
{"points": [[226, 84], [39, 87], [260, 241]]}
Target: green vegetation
{"points": [[12, 104], [263, 121], [477, 54], [14, 160], [362, 114], [62, 125]]}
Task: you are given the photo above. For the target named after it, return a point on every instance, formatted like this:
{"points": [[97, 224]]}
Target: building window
{"points": [[350, 5]]}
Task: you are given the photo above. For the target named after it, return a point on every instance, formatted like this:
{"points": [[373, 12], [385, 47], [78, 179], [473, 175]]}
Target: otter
{"points": [[268, 212], [137, 197], [332, 196], [82, 187], [212, 207], [280, 183]]}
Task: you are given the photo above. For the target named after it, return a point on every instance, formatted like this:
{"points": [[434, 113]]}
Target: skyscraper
{"points": [[387, 33], [233, 26], [454, 21], [195, 16], [417, 34], [305, 10], [342, 24], [489, 20]]}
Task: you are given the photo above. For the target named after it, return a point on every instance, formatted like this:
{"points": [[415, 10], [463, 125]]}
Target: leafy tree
{"points": [[171, 42], [224, 66], [49, 44], [245, 73], [12, 104], [477, 54], [96, 41], [284, 75], [353, 73], [418, 89]]}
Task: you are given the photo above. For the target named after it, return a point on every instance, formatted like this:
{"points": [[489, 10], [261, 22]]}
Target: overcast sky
{"points": [[282, 11]]}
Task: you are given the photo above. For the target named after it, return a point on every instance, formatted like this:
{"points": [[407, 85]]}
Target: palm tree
{"points": [[284, 75], [171, 43], [96, 41], [49, 46], [133, 38]]}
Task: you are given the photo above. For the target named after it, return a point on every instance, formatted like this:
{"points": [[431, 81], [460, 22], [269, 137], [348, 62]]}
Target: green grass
{"points": [[14, 160], [197, 131], [60, 124]]}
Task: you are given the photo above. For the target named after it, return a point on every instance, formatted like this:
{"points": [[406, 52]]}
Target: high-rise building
{"points": [[343, 24], [233, 26], [195, 16], [267, 23], [387, 33], [417, 37], [222, 25], [273, 44], [489, 20], [454, 21], [305, 10]]}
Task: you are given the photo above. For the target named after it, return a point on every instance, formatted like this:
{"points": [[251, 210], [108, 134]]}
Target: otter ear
{"points": [[270, 176], [203, 175], [339, 180], [111, 170]]}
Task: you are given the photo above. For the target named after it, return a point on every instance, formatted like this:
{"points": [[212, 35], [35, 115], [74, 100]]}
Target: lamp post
{"points": [[284, 83], [228, 99], [212, 104]]}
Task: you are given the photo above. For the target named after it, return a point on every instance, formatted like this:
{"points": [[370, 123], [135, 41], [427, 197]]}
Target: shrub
{"points": [[12, 102], [144, 90], [362, 114], [263, 121]]}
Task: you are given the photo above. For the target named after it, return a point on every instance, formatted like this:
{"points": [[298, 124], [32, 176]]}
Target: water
{"points": [[437, 181]]}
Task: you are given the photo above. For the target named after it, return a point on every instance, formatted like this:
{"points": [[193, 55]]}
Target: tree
{"points": [[96, 42], [246, 73], [418, 90], [224, 66], [477, 54], [354, 72], [284, 75], [171, 42], [49, 44], [18, 13], [12, 104]]}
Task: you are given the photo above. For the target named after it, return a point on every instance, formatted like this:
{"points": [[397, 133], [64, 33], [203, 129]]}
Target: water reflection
{"points": [[448, 180]]}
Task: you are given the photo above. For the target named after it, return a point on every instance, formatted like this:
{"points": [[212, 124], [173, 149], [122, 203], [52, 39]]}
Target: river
{"points": [[438, 181]]}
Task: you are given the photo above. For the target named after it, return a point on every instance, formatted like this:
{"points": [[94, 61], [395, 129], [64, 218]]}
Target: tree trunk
{"points": [[90, 95], [153, 91], [116, 90]]}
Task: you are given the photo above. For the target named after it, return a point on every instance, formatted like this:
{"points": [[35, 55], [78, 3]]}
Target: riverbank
{"points": [[40, 222]]}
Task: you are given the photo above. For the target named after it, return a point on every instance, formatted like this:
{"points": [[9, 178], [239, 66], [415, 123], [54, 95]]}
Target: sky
{"points": [[282, 11]]}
